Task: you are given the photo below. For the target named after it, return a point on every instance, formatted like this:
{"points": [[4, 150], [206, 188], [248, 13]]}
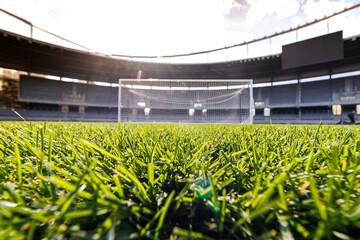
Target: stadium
{"points": [[222, 143], [292, 90]]}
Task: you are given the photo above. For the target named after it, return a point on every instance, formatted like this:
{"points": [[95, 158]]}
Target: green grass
{"points": [[174, 181]]}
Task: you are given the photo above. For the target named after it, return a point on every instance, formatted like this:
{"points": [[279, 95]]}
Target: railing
{"points": [[258, 47], [35, 32]]}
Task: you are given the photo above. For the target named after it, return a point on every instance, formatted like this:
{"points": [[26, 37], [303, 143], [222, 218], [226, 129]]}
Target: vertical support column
{"points": [[82, 111], [328, 27], [62, 60], [348, 84], [31, 32], [65, 111], [119, 102], [251, 103], [298, 100], [31, 49], [247, 50], [259, 94], [298, 93], [227, 55]]}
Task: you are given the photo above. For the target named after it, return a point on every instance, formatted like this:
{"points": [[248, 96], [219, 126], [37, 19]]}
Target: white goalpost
{"points": [[186, 101]]}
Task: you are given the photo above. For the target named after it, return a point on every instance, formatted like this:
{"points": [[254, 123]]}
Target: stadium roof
{"points": [[33, 56], [179, 27]]}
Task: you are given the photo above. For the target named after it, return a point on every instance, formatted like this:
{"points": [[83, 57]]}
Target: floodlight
{"points": [[267, 112], [139, 74], [141, 104], [336, 109], [147, 111]]}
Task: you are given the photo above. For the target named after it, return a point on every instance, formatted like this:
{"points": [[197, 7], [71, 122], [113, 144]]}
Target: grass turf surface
{"points": [[121, 181]]}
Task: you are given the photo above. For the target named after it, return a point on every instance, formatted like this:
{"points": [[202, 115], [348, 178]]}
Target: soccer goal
{"points": [[185, 101]]}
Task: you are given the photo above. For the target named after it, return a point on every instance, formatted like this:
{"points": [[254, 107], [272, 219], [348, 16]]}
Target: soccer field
{"points": [[178, 181]]}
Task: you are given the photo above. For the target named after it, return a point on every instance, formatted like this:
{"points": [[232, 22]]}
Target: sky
{"points": [[166, 27]]}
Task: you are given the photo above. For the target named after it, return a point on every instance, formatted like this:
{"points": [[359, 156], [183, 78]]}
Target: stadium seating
{"points": [[316, 92], [314, 103], [315, 115], [283, 95]]}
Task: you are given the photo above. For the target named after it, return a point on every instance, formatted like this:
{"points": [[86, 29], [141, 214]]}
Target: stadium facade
{"points": [[311, 81]]}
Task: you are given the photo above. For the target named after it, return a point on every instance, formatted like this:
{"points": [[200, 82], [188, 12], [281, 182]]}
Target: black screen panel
{"points": [[321, 49]]}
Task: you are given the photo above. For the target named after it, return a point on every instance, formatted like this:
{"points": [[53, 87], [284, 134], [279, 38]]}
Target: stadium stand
{"points": [[92, 93], [283, 95], [310, 92]]}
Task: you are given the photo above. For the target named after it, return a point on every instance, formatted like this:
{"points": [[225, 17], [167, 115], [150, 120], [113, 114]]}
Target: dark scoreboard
{"points": [[321, 49]]}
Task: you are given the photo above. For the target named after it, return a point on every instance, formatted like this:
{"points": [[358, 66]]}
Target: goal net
{"points": [[185, 101]]}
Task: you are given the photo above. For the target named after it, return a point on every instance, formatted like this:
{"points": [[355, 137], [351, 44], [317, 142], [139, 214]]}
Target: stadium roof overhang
{"points": [[29, 55]]}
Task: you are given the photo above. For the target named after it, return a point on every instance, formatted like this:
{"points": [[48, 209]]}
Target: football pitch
{"points": [[178, 181]]}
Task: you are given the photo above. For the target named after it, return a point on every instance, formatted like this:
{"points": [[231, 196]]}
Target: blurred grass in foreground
{"points": [[176, 181]]}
